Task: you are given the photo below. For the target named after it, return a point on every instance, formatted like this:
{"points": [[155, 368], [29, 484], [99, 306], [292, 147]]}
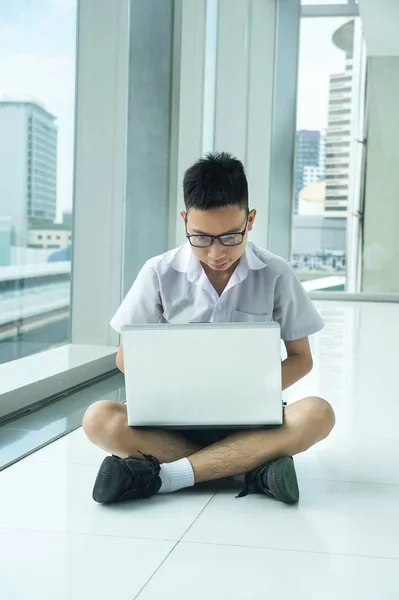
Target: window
{"points": [[333, 123], [319, 250], [336, 91], [338, 145], [339, 100], [312, 2], [340, 79], [337, 134], [342, 111], [37, 61]]}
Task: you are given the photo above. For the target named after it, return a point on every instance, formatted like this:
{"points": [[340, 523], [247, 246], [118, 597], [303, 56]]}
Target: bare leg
{"points": [[105, 424], [306, 423]]}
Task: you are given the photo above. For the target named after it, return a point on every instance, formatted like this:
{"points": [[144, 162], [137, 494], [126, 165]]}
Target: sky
{"points": [[37, 63], [318, 59]]}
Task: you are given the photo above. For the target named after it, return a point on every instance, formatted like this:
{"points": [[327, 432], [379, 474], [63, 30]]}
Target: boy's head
{"points": [[216, 198]]}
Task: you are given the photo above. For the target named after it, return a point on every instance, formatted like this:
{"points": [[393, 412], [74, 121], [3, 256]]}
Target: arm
{"points": [[298, 363], [142, 304], [119, 359]]}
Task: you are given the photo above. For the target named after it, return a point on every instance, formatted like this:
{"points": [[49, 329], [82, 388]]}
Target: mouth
{"points": [[218, 266]]}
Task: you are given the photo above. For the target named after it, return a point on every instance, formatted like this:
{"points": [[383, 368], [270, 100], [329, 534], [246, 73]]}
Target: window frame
{"points": [[100, 168], [354, 228], [102, 75]]}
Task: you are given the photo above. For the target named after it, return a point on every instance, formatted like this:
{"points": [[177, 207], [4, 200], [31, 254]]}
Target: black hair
{"points": [[215, 181]]}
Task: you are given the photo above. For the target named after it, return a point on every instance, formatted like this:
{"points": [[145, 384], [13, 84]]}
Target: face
{"points": [[221, 221]]}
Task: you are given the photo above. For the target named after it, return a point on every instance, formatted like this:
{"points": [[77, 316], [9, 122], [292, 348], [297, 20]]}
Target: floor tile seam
{"points": [[293, 550]]}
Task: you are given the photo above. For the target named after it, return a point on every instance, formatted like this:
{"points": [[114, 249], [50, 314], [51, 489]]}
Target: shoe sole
{"points": [[283, 482], [103, 490]]}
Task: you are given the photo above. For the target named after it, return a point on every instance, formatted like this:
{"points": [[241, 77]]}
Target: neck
{"points": [[223, 276]]}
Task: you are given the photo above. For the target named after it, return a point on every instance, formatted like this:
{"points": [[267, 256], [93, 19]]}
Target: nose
{"points": [[217, 252]]}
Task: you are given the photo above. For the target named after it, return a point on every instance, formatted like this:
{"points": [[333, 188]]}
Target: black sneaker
{"points": [[126, 479], [276, 479]]}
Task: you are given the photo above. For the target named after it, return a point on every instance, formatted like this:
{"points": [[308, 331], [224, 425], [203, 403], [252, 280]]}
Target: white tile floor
{"points": [[341, 542]]}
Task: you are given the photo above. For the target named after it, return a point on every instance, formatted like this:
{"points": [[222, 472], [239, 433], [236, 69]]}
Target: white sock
{"points": [[176, 475]]}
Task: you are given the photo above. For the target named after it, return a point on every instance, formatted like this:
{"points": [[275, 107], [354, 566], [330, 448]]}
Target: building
{"points": [[307, 155], [28, 166], [338, 141], [5, 241], [311, 175], [311, 199], [49, 235], [67, 219], [315, 173], [319, 241], [322, 153]]}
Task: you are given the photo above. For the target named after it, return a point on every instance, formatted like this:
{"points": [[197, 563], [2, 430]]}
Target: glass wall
{"points": [[37, 94], [323, 152]]}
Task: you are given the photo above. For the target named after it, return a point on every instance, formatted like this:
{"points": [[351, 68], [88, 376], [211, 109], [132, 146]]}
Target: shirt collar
{"points": [[185, 261], [254, 263]]}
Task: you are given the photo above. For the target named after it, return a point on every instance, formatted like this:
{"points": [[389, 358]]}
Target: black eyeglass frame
{"points": [[218, 237]]}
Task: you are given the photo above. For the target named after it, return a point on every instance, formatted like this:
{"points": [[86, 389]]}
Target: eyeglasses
{"points": [[227, 239]]}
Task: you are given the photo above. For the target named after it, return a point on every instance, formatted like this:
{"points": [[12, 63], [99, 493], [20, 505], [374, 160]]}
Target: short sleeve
{"points": [[142, 303], [293, 309]]}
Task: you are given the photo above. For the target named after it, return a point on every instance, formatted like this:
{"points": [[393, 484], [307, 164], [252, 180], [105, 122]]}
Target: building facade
{"points": [[311, 175], [28, 166], [307, 155], [47, 236], [338, 141]]}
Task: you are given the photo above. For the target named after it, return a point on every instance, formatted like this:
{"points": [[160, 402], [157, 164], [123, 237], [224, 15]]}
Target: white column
{"points": [[188, 101], [244, 95], [100, 160], [238, 94], [381, 212]]}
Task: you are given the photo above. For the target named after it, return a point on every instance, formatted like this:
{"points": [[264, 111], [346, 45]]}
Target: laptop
{"points": [[203, 375]]}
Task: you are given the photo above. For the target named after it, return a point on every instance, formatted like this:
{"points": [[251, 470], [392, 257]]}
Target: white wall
{"points": [[381, 218]]}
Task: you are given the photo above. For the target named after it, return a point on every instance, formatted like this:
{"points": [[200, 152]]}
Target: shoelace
{"points": [[253, 483], [248, 481], [135, 473]]}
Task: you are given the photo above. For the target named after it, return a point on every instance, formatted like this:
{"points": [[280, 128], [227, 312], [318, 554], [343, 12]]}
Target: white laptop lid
{"points": [[203, 374]]}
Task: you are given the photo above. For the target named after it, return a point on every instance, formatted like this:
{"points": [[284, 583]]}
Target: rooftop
{"points": [[30, 104]]}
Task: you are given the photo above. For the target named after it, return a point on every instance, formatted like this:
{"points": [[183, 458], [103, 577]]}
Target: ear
{"points": [[183, 215], [251, 219]]}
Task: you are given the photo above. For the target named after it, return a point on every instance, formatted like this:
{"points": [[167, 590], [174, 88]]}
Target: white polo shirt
{"points": [[174, 288]]}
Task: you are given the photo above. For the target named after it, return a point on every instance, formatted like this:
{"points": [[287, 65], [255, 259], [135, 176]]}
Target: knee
{"points": [[102, 418], [323, 414]]}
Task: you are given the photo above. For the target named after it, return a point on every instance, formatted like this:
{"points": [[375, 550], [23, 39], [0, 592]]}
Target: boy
{"points": [[217, 276]]}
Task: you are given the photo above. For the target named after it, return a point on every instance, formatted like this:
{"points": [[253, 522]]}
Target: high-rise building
{"points": [[339, 130], [311, 175], [322, 154], [28, 165], [307, 155]]}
